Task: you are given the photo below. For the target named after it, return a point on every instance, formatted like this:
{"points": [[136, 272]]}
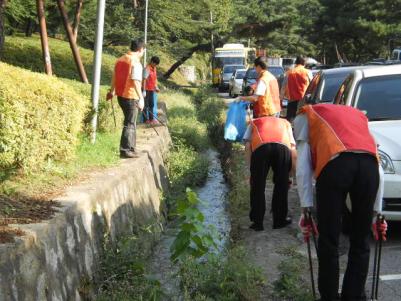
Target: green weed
{"points": [[194, 239], [291, 285], [221, 277], [123, 274]]}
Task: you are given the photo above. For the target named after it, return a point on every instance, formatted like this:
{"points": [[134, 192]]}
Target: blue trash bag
{"points": [[235, 126]]}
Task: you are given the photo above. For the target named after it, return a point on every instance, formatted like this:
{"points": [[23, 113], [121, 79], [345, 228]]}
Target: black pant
{"points": [[278, 157], [292, 108], [149, 104], [358, 176], [128, 135]]}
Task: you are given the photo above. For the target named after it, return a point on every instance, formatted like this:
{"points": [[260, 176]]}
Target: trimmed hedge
{"points": [[40, 119]]}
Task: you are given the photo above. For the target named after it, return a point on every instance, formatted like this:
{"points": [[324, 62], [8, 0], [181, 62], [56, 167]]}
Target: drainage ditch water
{"points": [[214, 207]]}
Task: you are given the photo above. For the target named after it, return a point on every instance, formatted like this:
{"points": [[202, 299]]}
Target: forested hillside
{"points": [[361, 30]]}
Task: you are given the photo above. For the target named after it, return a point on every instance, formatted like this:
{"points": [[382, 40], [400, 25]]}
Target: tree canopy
{"points": [[361, 29]]}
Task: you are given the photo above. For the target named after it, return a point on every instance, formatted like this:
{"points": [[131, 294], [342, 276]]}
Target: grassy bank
{"points": [[194, 122], [125, 273]]}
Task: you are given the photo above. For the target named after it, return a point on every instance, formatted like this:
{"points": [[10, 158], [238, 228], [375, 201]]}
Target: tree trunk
{"points": [[29, 28], [40, 6], [2, 26], [73, 45], [77, 19], [200, 47], [135, 4]]}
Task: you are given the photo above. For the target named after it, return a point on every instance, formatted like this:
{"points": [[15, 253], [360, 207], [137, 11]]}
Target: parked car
{"points": [[376, 91], [235, 84], [325, 84], [226, 74], [251, 76]]}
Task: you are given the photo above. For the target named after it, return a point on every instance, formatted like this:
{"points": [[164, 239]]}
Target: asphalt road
{"points": [[390, 271]]}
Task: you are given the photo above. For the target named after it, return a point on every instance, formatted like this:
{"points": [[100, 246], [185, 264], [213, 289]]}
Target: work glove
{"points": [[141, 104], [379, 228], [109, 95], [307, 227]]}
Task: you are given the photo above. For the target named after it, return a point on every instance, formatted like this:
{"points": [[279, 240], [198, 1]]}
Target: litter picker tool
{"points": [[109, 96], [377, 258], [311, 224], [114, 113]]}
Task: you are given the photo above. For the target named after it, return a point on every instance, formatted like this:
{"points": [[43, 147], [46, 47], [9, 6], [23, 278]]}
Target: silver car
{"points": [[235, 84]]}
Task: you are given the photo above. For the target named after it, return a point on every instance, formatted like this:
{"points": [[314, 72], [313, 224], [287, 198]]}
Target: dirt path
{"points": [[269, 248]]}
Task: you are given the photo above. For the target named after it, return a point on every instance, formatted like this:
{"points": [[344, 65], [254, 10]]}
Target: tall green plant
{"points": [[194, 239]]}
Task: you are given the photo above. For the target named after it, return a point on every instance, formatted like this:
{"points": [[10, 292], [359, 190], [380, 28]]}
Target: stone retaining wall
{"points": [[55, 257]]}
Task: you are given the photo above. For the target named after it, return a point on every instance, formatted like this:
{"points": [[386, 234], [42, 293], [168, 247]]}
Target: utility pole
{"points": [[43, 37], [97, 64], [212, 36], [146, 31], [71, 39]]}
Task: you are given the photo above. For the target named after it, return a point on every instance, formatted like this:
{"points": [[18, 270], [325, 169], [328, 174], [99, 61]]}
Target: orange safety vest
{"points": [[269, 104], [151, 81], [271, 130], [123, 83], [335, 129], [297, 82]]}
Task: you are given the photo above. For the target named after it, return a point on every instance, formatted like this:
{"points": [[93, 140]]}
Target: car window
{"points": [[380, 97], [276, 71], [343, 91], [240, 75], [251, 74], [329, 87], [314, 83], [230, 69]]}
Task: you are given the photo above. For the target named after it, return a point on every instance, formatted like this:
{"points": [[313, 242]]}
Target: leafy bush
{"points": [[186, 168], [183, 124], [189, 131], [223, 277], [105, 110], [40, 119]]}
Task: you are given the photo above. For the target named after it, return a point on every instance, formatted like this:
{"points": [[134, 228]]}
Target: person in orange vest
{"points": [[127, 85], [294, 87], [335, 146], [266, 99], [269, 144], [150, 88]]}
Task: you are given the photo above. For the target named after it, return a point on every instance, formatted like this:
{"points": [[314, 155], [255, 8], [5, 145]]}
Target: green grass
{"points": [[124, 275], [291, 285], [26, 52], [55, 175], [223, 277]]}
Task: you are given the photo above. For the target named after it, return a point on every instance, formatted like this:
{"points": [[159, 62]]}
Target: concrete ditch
{"points": [[55, 257]]}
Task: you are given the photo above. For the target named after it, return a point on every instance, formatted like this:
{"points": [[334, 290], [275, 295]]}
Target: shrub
{"points": [[186, 168], [183, 124], [105, 110], [189, 131], [40, 119]]}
